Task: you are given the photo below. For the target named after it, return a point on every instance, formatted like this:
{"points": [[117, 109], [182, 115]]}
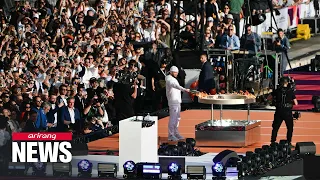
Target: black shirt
{"points": [[123, 101], [94, 92], [283, 98]]}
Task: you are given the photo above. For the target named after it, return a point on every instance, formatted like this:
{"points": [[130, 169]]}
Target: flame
{"points": [[201, 95], [248, 95]]}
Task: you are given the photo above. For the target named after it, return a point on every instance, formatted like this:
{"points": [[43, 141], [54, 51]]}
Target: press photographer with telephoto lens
{"points": [[125, 92], [284, 98]]}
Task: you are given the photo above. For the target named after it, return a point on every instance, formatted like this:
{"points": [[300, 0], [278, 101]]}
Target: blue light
{"points": [[39, 167], [217, 168], [173, 167], [129, 166], [85, 165]]}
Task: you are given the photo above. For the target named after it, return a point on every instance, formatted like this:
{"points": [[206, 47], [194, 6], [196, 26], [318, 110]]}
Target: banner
{"points": [[288, 18]]}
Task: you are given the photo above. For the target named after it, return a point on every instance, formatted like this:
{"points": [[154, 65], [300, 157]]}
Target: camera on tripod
{"points": [[296, 115]]}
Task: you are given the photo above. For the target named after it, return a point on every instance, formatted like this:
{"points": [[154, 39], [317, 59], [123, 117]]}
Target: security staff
{"points": [[284, 98], [173, 92]]}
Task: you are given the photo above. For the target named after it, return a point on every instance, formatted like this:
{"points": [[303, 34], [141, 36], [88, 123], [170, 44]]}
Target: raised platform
{"points": [[227, 133], [306, 128]]}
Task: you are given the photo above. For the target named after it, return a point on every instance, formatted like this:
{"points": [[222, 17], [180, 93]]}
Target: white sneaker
{"points": [[173, 138], [179, 137]]}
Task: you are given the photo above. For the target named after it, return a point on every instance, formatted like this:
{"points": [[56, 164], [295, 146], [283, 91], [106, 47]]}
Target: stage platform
{"points": [[307, 128]]}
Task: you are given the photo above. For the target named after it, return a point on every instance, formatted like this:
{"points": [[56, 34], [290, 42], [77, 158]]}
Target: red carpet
{"points": [[308, 85]]}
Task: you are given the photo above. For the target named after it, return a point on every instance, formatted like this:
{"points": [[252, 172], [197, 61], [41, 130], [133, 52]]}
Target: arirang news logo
{"points": [[41, 147]]}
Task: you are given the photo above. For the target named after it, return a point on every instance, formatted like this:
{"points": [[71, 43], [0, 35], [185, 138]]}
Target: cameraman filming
{"points": [[284, 98]]}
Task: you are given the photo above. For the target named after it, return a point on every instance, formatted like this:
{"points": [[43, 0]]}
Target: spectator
{"points": [[31, 123], [70, 116], [230, 41], [41, 122], [251, 41], [236, 10], [4, 135]]}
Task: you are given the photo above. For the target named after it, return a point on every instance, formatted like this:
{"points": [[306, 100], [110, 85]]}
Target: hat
{"points": [[210, 19], [36, 16], [93, 79], [174, 69], [229, 16]]}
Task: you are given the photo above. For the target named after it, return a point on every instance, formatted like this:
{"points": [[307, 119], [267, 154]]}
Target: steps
{"points": [[307, 85]]}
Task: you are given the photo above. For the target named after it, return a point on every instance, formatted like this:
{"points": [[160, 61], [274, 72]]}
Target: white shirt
{"points": [[89, 73], [173, 90], [55, 116], [72, 115]]}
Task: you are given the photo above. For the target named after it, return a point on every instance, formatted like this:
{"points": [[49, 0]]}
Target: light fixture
{"points": [[316, 103], [218, 170], [39, 169], [258, 19], [107, 170], [62, 169], [149, 170], [84, 168], [174, 171], [196, 172], [129, 169], [17, 169]]}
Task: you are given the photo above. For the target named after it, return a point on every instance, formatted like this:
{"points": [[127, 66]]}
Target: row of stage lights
{"points": [[254, 163], [131, 169]]}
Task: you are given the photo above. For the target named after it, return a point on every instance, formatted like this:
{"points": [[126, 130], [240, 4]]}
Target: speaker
{"points": [[224, 157], [79, 149], [306, 148]]}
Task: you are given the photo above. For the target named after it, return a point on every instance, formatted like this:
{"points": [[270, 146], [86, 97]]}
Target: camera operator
{"points": [[284, 98], [94, 88], [93, 109], [282, 45], [125, 92]]}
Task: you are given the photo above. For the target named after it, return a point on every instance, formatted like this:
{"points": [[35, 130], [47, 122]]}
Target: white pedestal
{"points": [[136, 143]]}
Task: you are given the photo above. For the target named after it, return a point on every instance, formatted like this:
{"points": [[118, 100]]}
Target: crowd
{"points": [[82, 66]]}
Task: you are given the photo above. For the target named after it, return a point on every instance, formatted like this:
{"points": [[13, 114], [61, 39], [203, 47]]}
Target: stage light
{"points": [[316, 103], [191, 142], [62, 169], [84, 168], [182, 146], [39, 169], [17, 169], [107, 170], [258, 19], [173, 150], [218, 170], [129, 169], [196, 172], [149, 171], [174, 171]]}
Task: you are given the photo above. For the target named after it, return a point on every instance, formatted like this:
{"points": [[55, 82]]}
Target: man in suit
{"points": [[62, 94], [79, 102], [31, 123], [70, 116], [206, 79], [52, 115]]}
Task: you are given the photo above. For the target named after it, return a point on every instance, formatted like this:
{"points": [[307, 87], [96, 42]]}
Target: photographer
{"points": [[125, 92], [284, 98], [93, 109], [282, 45]]}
